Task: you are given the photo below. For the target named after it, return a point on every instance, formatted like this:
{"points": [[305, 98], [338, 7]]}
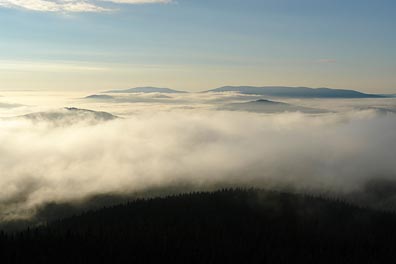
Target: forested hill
{"points": [[227, 226]]}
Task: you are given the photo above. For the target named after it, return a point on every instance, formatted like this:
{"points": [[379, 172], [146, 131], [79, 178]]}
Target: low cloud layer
{"points": [[336, 152], [71, 5]]}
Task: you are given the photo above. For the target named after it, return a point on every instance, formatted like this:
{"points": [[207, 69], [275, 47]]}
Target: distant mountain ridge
{"points": [[146, 90], [273, 91], [297, 92]]}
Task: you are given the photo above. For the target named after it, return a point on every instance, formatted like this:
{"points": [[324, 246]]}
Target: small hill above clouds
{"points": [[296, 92], [146, 90], [267, 106], [99, 97], [69, 116]]}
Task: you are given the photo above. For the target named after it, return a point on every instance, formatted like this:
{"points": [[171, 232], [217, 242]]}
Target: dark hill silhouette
{"points": [[227, 226], [297, 92]]}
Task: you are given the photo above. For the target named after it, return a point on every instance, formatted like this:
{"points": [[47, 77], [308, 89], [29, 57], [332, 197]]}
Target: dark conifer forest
{"points": [[226, 226]]}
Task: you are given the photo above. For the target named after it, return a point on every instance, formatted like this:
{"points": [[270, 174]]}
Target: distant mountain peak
{"points": [[99, 97], [147, 89], [265, 101]]}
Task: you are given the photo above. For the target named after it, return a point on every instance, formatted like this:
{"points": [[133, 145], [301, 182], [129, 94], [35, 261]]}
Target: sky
{"points": [[197, 45]]}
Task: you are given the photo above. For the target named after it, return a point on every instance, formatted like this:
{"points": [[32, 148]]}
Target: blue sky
{"points": [[197, 44]]}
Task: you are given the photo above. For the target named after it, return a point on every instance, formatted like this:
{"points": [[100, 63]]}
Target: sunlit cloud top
{"points": [[70, 5]]}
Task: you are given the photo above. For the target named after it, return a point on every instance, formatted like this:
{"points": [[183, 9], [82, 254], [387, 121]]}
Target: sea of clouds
{"points": [[67, 160]]}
